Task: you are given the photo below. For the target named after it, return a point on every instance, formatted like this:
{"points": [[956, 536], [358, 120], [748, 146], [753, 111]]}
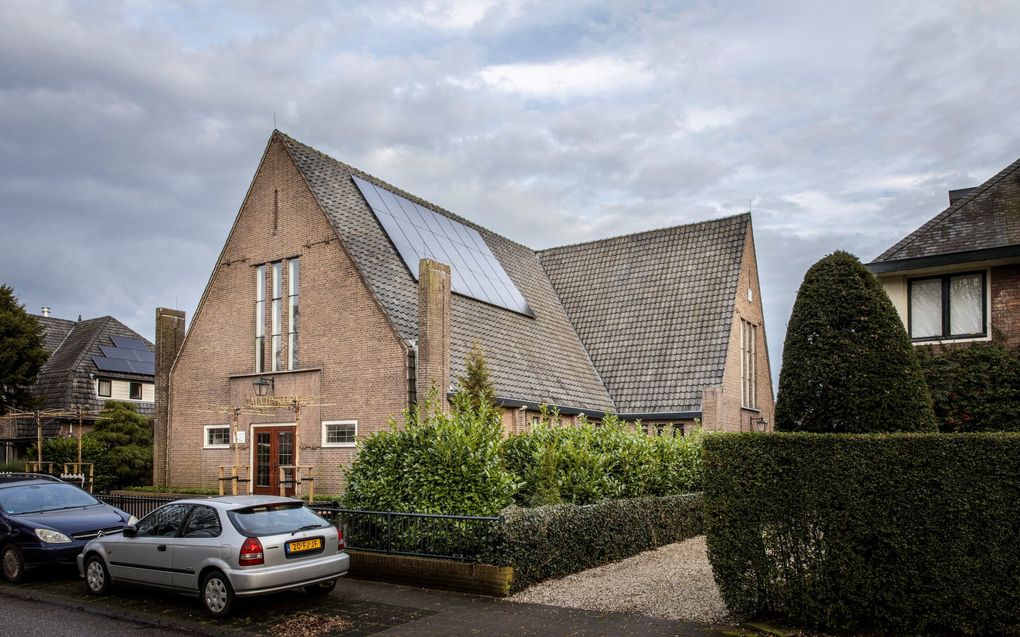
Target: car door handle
{"points": [[161, 547]]}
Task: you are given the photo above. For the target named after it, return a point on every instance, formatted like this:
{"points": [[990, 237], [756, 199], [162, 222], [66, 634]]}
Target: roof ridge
{"points": [[647, 232], [949, 211]]}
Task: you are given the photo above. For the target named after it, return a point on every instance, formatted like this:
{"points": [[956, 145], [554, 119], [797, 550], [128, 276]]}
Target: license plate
{"points": [[301, 546]]}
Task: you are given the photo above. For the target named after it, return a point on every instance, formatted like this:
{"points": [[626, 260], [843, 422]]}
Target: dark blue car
{"points": [[46, 522]]}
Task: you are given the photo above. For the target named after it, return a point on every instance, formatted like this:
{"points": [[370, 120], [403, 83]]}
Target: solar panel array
{"points": [[419, 233], [128, 356]]}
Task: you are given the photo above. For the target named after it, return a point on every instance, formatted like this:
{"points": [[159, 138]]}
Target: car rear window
{"points": [[35, 498], [274, 519]]}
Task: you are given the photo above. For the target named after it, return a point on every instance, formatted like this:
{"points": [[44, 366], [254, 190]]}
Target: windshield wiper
{"points": [[307, 527]]}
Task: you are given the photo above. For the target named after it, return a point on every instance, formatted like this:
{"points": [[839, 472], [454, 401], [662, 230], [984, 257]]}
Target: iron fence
{"points": [[136, 505], [457, 537]]}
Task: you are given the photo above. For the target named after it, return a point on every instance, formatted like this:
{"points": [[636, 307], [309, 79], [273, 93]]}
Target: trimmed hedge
{"points": [[553, 541], [975, 387], [908, 533]]}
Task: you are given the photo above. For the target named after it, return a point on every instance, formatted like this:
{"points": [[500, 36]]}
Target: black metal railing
{"points": [[136, 505], [456, 537]]}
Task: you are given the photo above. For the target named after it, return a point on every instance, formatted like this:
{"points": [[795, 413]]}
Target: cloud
{"points": [[564, 79]]}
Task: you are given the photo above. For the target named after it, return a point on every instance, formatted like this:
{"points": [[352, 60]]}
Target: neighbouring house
{"points": [[956, 279], [352, 299], [90, 361]]}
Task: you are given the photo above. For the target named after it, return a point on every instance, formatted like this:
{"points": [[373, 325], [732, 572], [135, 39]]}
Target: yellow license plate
{"points": [[304, 545]]}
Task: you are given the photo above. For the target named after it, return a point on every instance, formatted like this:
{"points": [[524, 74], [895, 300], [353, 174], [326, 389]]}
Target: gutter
{"points": [[916, 263], [514, 403]]}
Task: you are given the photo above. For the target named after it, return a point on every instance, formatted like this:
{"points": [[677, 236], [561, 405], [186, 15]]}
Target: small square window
{"points": [[339, 433], [105, 388], [135, 391], [216, 437]]}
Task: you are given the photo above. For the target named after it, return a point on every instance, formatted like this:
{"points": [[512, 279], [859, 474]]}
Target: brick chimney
{"points": [[433, 330], [169, 338]]}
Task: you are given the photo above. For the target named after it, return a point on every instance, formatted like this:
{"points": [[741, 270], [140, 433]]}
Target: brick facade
{"points": [[1005, 309], [353, 360], [722, 408]]}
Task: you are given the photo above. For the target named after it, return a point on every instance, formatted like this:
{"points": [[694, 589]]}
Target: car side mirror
{"points": [[130, 530]]}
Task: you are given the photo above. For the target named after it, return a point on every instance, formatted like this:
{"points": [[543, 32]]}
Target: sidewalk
{"points": [[362, 608]]}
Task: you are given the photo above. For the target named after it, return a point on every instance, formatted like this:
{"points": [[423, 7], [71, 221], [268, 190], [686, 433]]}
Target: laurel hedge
{"points": [[903, 533], [553, 541]]}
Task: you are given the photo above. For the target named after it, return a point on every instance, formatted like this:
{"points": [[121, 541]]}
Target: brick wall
{"points": [[343, 333], [1005, 310], [721, 405], [169, 338], [434, 331]]}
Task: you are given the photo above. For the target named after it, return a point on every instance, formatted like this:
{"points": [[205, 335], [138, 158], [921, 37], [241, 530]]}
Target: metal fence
{"points": [[455, 537]]}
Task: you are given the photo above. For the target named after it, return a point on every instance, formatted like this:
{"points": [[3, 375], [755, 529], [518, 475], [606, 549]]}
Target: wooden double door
{"points": [[273, 448]]}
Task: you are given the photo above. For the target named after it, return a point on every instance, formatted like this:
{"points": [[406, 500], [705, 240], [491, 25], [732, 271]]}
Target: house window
{"points": [[216, 437], [412, 378], [293, 283], [105, 388], [135, 391], [260, 318], [748, 364], [277, 336], [339, 433], [951, 306]]}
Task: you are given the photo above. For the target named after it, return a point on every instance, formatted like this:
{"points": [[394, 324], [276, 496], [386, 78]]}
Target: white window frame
{"points": [[748, 365], [325, 424], [205, 437]]}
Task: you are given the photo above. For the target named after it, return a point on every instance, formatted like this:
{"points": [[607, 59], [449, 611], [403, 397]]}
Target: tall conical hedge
{"points": [[848, 365]]}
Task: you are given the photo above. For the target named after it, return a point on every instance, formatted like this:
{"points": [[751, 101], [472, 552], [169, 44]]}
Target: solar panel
{"points": [[419, 233], [124, 366], [129, 342], [128, 354]]}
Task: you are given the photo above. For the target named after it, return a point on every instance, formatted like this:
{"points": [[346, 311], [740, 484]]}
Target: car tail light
{"points": [[251, 552], [341, 543]]}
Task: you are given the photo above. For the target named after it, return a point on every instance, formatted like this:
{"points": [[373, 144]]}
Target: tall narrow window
{"points": [[293, 284], [277, 322], [748, 364], [260, 318]]}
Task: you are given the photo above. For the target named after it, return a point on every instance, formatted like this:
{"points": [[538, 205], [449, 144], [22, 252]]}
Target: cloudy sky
{"points": [[129, 131]]}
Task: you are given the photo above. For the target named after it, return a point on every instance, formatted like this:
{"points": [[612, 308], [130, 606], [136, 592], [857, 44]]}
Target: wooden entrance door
{"points": [[274, 448]]}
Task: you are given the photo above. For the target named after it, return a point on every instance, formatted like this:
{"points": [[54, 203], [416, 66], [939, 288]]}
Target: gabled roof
{"points": [[64, 380], [986, 219], [654, 309], [530, 359]]}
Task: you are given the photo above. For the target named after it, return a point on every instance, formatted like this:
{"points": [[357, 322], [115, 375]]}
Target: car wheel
{"points": [[13, 564], [97, 576], [217, 595], [322, 588]]}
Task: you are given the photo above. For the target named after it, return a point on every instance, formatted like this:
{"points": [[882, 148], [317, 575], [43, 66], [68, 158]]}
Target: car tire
{"points": [[217, 595], [97, 576], [322, 588], [12, 563]]}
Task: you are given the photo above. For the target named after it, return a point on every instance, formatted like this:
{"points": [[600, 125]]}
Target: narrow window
{"points": [[412, 378], [260, 318], [748, 364], [277, 356], [216, 437], [135, 391], [105, 388], [339, 433], [293, 284]]}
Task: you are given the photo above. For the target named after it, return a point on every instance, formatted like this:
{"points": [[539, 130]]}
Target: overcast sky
{"points": [[129, 131]]}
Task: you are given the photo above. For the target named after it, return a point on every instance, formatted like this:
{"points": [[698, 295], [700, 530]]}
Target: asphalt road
{"points": [[21, 618]]}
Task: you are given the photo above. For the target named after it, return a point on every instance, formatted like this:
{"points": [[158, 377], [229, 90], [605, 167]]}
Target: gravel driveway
{"points": [[673, 582]]}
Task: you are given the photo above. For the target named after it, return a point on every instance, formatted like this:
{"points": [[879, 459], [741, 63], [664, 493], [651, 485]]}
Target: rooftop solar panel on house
{"points": [[124, 366], [419, 233], [128, 354], [128, 342]]}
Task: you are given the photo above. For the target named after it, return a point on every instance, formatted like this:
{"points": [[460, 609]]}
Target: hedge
{"points": [[553, 541], [973, 388], [906, 533]]}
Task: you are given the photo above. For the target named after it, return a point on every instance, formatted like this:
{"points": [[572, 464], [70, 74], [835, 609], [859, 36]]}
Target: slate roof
{"points": [[536, 359], [654, 309], [64, 380], [988, 217]]}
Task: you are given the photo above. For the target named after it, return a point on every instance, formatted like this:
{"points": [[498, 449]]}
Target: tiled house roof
{"points": [[654, 309], [530, 359], [987, 218], [64, 380]]}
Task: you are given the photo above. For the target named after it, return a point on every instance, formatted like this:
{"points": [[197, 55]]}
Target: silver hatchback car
{"points": [[221, 549]]}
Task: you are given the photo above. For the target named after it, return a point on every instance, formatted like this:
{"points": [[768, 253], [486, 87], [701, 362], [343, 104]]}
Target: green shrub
{"points": [[973, 388], [553, 541], [61, 451], [436, 462], [14, 466], [593, 463], [127, 435], [904, 533], [848, 365]]}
